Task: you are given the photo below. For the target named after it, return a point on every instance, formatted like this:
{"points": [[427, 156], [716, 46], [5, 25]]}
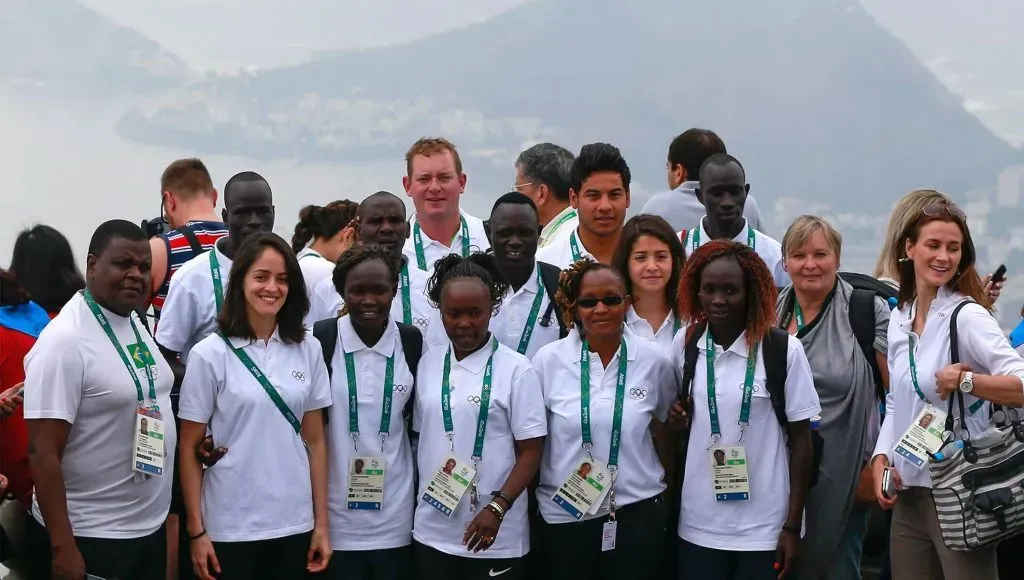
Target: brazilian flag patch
{"points": [[141, 355]]}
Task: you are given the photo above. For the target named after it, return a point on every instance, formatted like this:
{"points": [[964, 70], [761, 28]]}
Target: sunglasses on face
{"points": [[937, 209], [607, 301]]}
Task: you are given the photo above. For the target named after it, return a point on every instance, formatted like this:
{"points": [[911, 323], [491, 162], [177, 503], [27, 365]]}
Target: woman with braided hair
{"points": [[606, 392], [740, 519], [481, 427], [321, 237]]}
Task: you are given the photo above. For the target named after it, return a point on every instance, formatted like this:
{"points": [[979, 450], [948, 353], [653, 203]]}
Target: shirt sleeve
{"points": [[528, 414], [417, 405], [319, 396], [179, 317], [667, 379], [202, 382], [882, 315], [54, 377], [326, 300], [887, 435], [801, 397], [983, 342]]}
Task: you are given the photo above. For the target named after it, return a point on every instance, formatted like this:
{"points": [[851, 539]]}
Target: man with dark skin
{"points": [[723, 191], [118, 280], [382, 220], [514, 231]]}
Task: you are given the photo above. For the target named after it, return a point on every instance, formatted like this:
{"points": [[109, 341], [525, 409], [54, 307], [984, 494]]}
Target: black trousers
{"points": [[276, 559], [433, 564], [390, 564], [573, 550], [136, 558], [700, 563]]}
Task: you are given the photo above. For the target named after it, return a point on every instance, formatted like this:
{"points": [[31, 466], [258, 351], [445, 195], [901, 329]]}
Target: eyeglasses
{"points": [[607, 301], [515, 186], [937, 209]]}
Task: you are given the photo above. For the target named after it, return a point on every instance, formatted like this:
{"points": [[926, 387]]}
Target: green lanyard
{"points": [[265, 383], [417, 241], [798, 313], [676, 325], [218, 287], [695, 239], [406, 298], [620, 395], [561, 221], [309, 253], [120, 351], [913, 375], [524, 340], [485, 403], [574, 246], [748, 389], [353, 400]]}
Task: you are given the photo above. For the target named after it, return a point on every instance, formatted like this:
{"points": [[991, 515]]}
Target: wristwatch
{"points": [[967, 384]]}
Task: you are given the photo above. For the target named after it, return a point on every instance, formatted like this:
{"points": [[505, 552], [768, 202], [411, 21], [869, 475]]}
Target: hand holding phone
{"points": [[889, 489], [999, 275]]}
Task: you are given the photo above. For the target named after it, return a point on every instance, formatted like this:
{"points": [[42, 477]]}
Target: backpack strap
{"points": [[412, 344], [326, 331], [549, 275], [690, 353], [193, 241], [775, 352], [862, 321]]}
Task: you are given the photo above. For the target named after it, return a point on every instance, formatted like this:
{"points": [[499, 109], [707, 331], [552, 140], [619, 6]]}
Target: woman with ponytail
{"points": [[321, 236]]}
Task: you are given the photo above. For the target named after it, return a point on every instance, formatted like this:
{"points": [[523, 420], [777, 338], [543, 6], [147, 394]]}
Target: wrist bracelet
{"points": [[503, 496], [199, 535], [791, 528], [496, 509]]}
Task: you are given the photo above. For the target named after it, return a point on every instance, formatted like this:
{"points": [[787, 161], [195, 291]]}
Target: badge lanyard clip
{"points": [[383, 436], [612, 469], [474, 495]]}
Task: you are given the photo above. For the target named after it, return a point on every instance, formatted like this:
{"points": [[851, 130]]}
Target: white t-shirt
{"points": [[434, 250], [74, 374], [754, 524], [516, 413], [769, 250], [651, 386], [190, 312], [315, 269], [327, 303], [662, 338], [558, 251], [509, 323], [261, 488], [391, 527]]}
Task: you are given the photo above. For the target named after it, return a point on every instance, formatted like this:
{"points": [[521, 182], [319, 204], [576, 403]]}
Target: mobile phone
{"points": [[1000, 274], [888, 483]]}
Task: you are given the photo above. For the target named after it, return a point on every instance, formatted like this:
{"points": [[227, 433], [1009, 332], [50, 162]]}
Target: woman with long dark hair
{"points": [[260, 385], [321, 236], [937, 278]]}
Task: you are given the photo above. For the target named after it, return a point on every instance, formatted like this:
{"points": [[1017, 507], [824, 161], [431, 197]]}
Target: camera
{"points": [[155, 226]]}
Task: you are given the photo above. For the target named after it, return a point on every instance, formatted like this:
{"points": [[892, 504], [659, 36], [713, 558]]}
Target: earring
{"points": [[904, 260]]}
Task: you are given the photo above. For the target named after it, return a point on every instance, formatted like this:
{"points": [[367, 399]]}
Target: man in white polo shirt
{"points": [[103, 489], [723, 191], [600, 193], [542, 174], [435, 182]]}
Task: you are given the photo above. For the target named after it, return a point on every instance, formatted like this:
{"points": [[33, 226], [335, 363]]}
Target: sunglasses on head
{"points": [[937, 209], [607, 301]]}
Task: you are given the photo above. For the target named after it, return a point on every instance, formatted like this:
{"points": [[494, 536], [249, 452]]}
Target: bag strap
{"points": [[775, 350], [192, 240], [549, 275], [326, 331], [412, 344], [954, 357], [690, 353], [862, 321]]}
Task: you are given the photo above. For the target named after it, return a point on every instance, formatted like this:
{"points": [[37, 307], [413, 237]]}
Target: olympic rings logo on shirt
{"points": [[401, 389], [638, 393], [421, 322], [298, 376], [473, 399]]}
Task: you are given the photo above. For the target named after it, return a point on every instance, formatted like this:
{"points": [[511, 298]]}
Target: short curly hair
{"points": [[479, 265], [569, 283]]}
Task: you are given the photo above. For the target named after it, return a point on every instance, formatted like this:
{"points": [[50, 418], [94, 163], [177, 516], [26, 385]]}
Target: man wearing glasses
{"points": [[542, 174]]}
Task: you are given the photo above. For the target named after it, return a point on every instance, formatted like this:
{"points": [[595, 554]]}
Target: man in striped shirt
{"points": [[189, 204]]}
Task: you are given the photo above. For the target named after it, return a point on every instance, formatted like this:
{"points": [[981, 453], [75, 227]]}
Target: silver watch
{"points": [[967, 384]]}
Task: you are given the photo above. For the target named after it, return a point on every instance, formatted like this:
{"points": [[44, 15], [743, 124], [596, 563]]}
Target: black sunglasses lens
{"points": [[587, 302], [612, 300]]}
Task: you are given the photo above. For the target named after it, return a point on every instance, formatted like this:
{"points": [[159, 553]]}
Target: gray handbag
{"points": [[978, 484]]}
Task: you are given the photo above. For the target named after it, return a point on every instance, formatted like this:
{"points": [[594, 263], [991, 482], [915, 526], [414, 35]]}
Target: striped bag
{"points": [[978, 484]]}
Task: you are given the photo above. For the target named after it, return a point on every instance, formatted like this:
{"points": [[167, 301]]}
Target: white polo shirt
{"points": [[661, 338], [327, 303], [261, 488], [74, 374], [315, 269], [767, 248], [651, 386], [391, 527], [434, 250], [510, 321], [983, 347], [558, 251], [754, 524], [516, 413], [190, 312]]}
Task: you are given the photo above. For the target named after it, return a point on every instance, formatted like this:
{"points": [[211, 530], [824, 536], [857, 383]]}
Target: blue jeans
{"points": [[851, 547]]}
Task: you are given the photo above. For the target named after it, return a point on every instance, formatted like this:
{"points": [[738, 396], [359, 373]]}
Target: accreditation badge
{"points": [[149, 448], [366, 483], [729, 473], [586, 485], [449, 485], [924, 436]]}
